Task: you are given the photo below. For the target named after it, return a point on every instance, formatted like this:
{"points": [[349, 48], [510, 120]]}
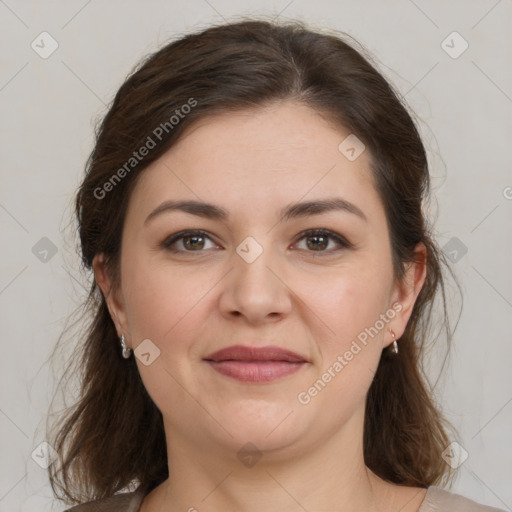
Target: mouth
{"points": [[255, 364]]}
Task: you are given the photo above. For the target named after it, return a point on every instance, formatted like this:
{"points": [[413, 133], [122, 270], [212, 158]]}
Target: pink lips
{"points": [[255, 364]]}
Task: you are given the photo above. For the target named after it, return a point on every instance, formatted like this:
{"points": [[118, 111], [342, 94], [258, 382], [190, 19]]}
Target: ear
{"points": [[111, 293], [407, 290]]}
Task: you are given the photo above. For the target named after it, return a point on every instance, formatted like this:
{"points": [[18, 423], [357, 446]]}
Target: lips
{"points": [[244, 353], [255, 364]]}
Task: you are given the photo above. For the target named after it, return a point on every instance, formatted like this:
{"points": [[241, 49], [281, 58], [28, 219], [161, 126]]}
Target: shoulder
{"points": [[122, 502], [441, 500]]}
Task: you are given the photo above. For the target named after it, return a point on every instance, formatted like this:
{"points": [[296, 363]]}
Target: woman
{"points": [[264, 277]]}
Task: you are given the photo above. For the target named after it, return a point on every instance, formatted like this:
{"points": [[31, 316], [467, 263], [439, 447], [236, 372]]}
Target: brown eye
{"points": [[187, 241], [318, 240], [193, 241]]}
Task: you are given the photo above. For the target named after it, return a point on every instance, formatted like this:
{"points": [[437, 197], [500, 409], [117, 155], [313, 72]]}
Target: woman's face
{"points": [[253, 277]]}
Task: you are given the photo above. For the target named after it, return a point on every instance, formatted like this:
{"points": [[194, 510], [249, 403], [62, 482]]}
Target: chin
{"points": [[269, 426]]}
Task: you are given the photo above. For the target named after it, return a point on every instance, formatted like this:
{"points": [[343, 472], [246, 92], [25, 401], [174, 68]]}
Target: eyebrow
{"points": [[292, 211]]}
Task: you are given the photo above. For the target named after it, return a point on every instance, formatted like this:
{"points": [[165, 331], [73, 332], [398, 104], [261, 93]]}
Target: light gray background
{"points": [[48, 106]]}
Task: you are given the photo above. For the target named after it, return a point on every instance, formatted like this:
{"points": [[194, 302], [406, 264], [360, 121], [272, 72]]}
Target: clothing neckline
{"points": [[426, 499], [141, 492]]}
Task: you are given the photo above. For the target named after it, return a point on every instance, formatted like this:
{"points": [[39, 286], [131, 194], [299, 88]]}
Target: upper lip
{"points": [[247, 353]]}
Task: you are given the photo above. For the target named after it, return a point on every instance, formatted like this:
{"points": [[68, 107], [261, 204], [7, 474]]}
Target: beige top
{"points": [[436, 500]]}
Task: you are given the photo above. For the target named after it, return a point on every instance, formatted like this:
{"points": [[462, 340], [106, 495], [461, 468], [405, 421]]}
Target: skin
{"points": [[294, 295]]}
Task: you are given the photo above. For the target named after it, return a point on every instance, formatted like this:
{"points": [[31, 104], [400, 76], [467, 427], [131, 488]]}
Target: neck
{"points": [[330, 476]]}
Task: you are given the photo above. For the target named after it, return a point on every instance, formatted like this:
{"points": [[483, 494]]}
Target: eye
{"points": [[317, 240], [187, 241]]}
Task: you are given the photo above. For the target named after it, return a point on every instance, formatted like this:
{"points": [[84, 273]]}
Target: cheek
{"points": [[348, 302], [350, 305], [166, 307], [162, 304]]}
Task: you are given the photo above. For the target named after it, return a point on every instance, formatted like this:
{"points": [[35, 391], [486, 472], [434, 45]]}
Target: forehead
{"points": [[280, 135], [253, 158]]}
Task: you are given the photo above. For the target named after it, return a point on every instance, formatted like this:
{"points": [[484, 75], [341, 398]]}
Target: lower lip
{"points": [[255, 371]]}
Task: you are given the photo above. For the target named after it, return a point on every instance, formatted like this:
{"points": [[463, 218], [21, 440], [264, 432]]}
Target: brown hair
{"points": [[114, 436]]}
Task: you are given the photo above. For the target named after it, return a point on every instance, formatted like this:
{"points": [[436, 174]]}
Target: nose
{"points": [[256, 291]]}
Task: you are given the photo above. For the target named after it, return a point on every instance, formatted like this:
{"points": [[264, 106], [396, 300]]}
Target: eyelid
{"points": [[338, 238], [166, 244]]}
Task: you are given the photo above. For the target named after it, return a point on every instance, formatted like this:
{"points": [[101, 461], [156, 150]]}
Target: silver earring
{"points": [[126, 351], [394, 347]]}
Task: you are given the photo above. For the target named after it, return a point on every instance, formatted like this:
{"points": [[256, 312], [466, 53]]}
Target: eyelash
{"points": [[343, 242]]}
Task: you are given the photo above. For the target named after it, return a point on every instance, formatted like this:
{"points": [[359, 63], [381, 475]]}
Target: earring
{"points": [[394, 347], [126, 351]]}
